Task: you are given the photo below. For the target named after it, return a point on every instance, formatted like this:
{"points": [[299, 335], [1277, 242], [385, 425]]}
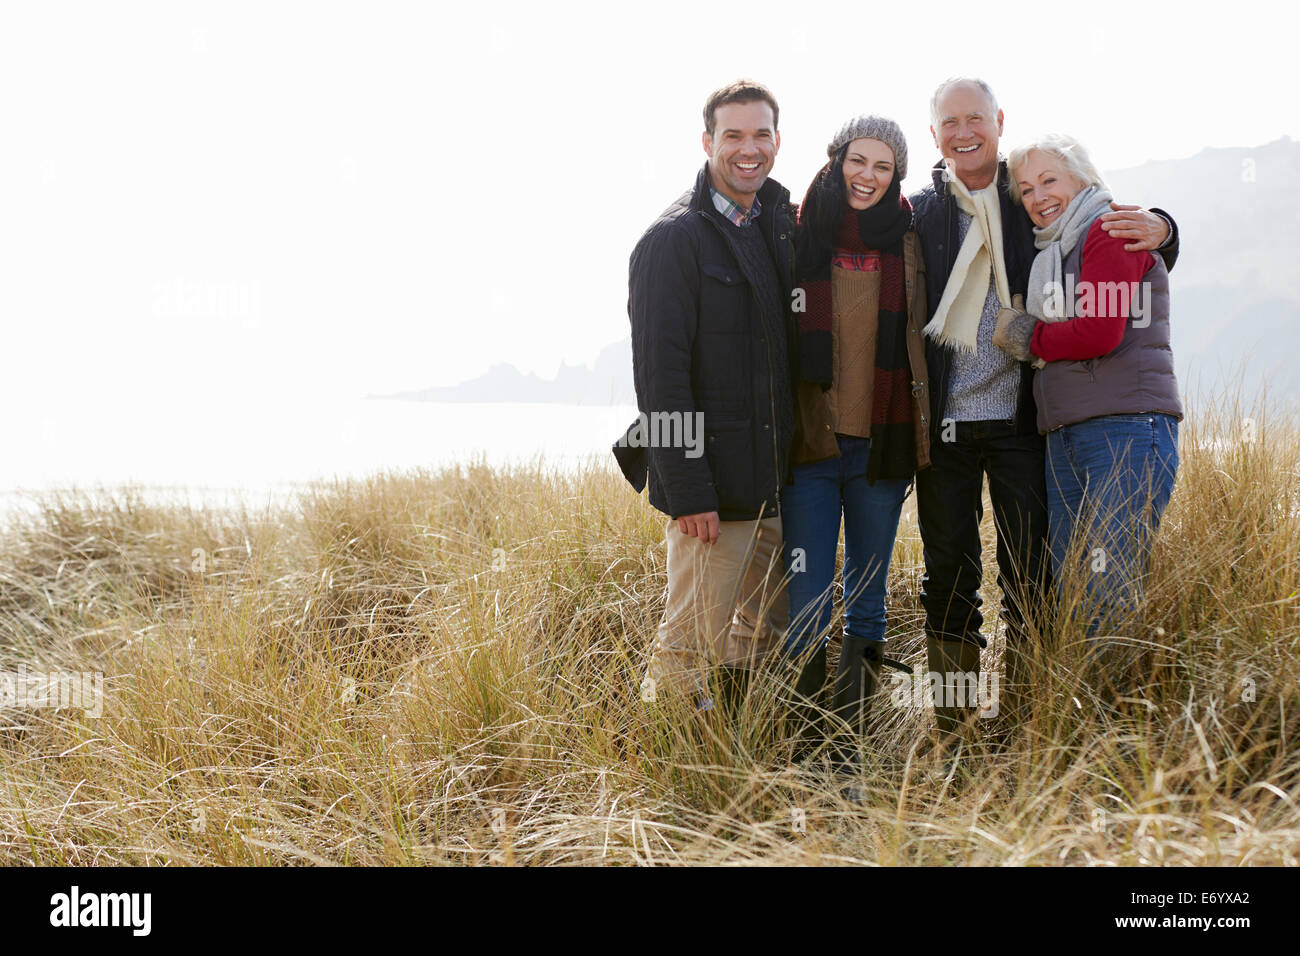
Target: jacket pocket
{"points": [[814, 434], [729, 449], [724, 299]]}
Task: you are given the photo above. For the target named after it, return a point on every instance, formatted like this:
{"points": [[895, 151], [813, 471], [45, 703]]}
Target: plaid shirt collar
{"points": [[735, 213]]}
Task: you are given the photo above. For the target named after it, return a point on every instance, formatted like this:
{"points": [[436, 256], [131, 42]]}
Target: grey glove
{"points": [[1014, 332]]}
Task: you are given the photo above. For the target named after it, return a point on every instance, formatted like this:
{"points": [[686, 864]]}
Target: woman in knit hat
{"points": [[1096, 324], [863, 412]]}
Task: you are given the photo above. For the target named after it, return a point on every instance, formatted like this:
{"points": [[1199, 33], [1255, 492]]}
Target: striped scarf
{"points": [[880, 230]]}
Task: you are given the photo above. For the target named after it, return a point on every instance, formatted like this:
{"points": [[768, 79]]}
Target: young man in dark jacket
{"points": [[709, 287], [978, 249]]}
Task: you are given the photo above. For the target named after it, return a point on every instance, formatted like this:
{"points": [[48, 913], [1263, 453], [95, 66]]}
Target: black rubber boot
{"points": [[806, 720], [949, 659], [855, 683]]}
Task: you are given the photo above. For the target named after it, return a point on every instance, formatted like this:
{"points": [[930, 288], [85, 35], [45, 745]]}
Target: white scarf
{"points": [[956, 322], [1046, 296]]}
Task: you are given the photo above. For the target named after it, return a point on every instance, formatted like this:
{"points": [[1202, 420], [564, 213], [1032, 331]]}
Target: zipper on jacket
{"points": [[771, 398], [784, 211], [771, 375], [771, 384]]}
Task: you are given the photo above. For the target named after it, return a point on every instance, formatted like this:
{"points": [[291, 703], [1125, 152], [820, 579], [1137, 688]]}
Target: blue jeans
{"points": [[1108, 482], [811, 509]]}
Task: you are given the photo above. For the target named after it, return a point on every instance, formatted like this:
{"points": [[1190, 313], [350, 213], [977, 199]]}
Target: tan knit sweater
{"points": [[855, 303]]}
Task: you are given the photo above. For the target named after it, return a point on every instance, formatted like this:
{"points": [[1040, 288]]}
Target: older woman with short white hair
{"points": [[1096, 324]]}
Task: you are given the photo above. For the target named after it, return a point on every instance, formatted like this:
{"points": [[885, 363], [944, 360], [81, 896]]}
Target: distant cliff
{"points": [[1235, 297], [609, 383]]}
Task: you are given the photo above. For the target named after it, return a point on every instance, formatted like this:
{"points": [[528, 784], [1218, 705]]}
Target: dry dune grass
{"points": [[445, 668]]}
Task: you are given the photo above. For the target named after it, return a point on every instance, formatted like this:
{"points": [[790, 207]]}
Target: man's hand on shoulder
{"points": [[1147, 229], [704, 526]]}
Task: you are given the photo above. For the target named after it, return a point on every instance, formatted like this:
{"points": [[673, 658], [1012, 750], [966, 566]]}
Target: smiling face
{"points": [[968, 134], [1045, 187], [742, 149], [868, 170]]}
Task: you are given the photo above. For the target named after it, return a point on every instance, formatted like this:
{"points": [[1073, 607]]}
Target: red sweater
{"points": [[1093, 332]]}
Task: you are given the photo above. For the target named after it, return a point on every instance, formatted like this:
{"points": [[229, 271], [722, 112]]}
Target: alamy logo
{"points": [[667, 430], [38, 690], [947, 689], [1072, 299], [184, 298], [103, 909]]}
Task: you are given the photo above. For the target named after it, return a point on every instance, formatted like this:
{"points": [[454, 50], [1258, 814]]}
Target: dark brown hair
{"points": [[741, 91]]}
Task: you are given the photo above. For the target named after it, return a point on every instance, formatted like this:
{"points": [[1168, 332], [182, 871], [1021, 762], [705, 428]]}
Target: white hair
{"points": [[957, 81], [1066, 150]]}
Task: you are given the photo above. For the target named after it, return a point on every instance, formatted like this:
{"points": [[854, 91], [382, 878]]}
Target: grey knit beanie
{"points": [[870, 126]]}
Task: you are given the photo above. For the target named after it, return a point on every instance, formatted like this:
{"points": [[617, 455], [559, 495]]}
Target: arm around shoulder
{"points": [[1169, 248]]}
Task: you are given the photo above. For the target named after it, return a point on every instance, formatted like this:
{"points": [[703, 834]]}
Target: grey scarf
{"points": [[1046, 298]]}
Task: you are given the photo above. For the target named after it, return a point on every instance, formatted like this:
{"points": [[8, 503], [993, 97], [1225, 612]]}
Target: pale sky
{"points": [[339, 198]]}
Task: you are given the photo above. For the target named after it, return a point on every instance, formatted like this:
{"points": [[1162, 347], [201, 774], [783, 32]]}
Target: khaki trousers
{"points": [[726, 603]]}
